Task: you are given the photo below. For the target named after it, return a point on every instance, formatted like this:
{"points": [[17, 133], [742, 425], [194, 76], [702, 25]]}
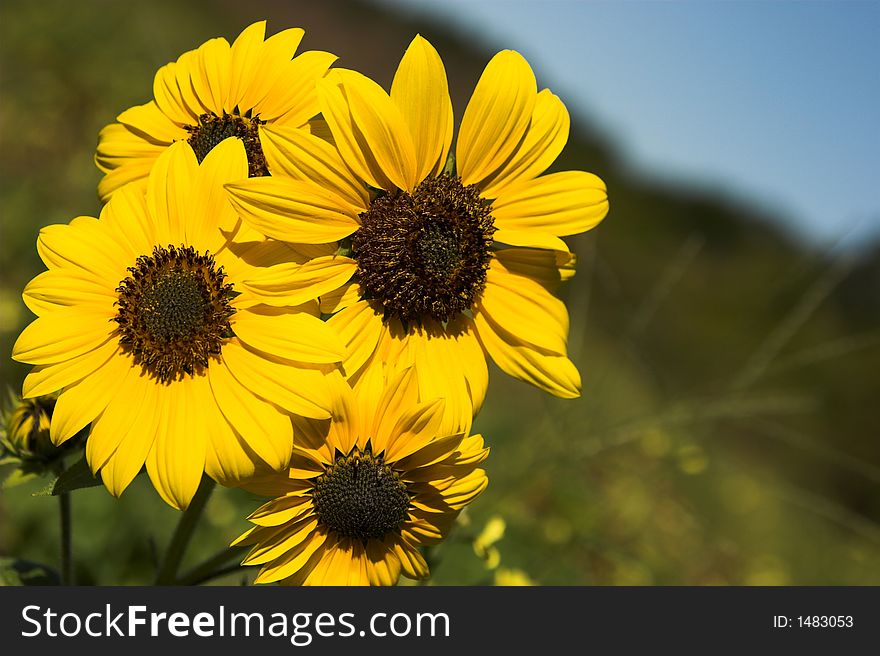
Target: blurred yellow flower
{"points": [[364, 492], [146, 325], [211, 93], [445, 269], [512, 577], [484, 543]]}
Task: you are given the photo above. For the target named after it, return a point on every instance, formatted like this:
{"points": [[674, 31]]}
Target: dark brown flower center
{"points": [[359, 496], [174, 311], [425, 254], [213, 129]]}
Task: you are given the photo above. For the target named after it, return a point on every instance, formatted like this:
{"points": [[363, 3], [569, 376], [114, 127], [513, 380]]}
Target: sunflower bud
{"points": [[26, 426]]}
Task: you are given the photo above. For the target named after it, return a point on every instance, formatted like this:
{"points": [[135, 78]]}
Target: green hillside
{"points": [[726, 433]]}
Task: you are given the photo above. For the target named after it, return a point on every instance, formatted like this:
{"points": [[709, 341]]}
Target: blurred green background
{"points": [[727, 432]]}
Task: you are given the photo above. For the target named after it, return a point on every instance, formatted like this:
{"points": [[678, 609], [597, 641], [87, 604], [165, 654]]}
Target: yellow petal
{"points": [[544, 139], [268, 66], [360, 328], [293, 210], [414, 429], [128, 219], [466, 347], [62, 335], [421, 93], [530, 239], [84, 244], [293, 99], [138, 434], [211, 214], [229, 460], [151, 124], [431, 451], [550, 372], [293, 336], [291, 284], [177, 458], [302, 156], [298, 390], [168, 97], [412, 562], [134, 172], [261, 425], [280, 511], [400, 394], [72, 288], [525, 309], [368, 129], [45, 379], [465, 490], [296, 561], [209, 75], [340, 298], [80, 403], [169, 192], [383, 565], [284, 540], [564, 203], [496, 116], [546, 267], [244, 55], [115, 420]]}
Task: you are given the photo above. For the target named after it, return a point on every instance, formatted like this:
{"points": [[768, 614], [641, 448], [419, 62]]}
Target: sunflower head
{"points": [[425, 253], [449, 256], [216, 91], [174, 311], [365, 491]]}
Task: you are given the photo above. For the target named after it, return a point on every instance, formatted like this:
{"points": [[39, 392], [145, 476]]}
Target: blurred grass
{"points": [[726, 434]]}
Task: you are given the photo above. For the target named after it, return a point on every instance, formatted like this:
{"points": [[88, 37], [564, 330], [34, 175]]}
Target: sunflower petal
{"points": [[368, 129], [177, 458], [525, 309], [293, 210], [293, 336], [496, 116], [290, 284], [421, 93], [262, 426], [564, 203], [360, 328], [541, 145], [550, 372], [302, 156]]}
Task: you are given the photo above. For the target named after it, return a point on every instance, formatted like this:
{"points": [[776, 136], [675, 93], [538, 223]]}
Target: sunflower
{"points": [[364, 492], [436, 269], [146, 325], [211, 93]]}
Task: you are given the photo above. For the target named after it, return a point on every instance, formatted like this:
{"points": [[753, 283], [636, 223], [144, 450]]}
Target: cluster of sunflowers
{"points": [[294, 285]]}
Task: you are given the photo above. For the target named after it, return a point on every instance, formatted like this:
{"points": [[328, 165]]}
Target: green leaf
{"points": [[75, 477], [14, 571]]}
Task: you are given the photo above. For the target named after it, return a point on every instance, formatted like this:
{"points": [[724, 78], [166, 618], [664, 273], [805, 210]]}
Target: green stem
{"points": [[213, 568], [66, 550], [183, 533]]}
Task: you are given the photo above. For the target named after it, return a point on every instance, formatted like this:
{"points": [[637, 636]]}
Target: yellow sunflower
{"points": [[211, 93], [146, 325], [364, 491], [436, 269]]}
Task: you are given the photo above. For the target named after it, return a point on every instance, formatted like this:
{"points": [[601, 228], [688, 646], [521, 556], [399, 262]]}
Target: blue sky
{"points": [[775, 101]]}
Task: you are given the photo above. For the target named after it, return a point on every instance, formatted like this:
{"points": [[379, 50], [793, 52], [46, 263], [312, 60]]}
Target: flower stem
{"points": [[183, 533], [213, 567], [66, 550]]}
